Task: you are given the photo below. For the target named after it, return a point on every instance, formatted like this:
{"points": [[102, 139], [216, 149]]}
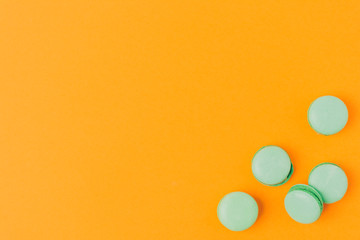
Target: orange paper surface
{"points": [[132, 119]]}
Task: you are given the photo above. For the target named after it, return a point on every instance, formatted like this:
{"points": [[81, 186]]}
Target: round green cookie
{"points": [[237, 211], [303, 203], [327, 115], [330, 180], [272, 166]]}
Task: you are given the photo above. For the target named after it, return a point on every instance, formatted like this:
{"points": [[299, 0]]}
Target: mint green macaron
{"points": [[330, 180], [327, 115], [271, 165], [304, 203], [237, 211]]}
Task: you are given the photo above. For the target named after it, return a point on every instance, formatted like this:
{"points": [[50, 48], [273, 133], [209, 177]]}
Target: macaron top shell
{"points": [[330, 180], [271, 165], [237, 211], [303, 203], [327, 115]]}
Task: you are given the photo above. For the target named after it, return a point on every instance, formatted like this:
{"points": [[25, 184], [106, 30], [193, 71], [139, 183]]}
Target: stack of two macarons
{"points": [[328, 183], [272, 166]]}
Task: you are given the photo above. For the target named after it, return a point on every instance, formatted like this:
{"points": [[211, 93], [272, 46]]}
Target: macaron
{"points": [[304, 203], [237, 211], [271, 165], [330, 180], [327, 115]]}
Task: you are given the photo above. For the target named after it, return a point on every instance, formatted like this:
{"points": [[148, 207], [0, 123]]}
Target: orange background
{"points": [[132, 119]]}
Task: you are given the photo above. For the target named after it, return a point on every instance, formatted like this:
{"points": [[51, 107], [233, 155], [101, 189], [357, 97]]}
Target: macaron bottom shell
{"points": [[303, 203]]}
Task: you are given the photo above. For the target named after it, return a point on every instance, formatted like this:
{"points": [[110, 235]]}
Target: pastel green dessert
{"points": [[272, 166], [327, 115], [237, 211], [330, 180], [303, 203]]}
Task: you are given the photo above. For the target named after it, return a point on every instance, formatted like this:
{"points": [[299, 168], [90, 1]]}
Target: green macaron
{"points": [[272, 166], [304, 203], [237, 211], [327, 115], [330, 180]]}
